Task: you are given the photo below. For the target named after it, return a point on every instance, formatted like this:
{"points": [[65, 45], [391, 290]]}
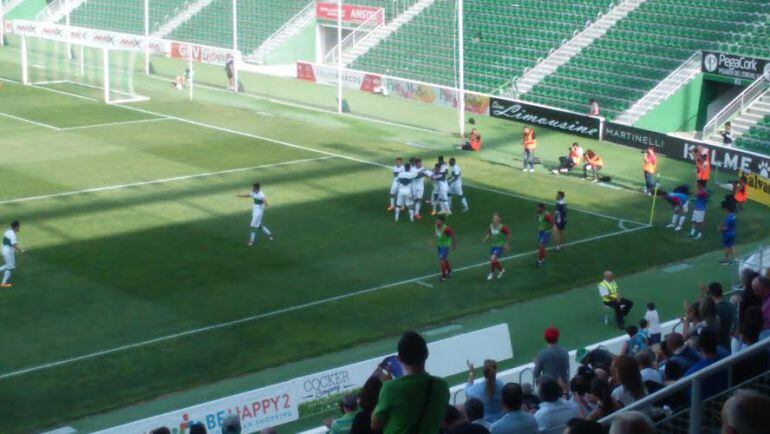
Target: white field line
{"points": [[29, 121], [251, 318], [112, 124], [425, 284], [292, 145], [160, 181]]}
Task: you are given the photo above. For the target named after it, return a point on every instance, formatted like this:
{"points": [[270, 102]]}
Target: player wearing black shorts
{"points": [[560, 219]]}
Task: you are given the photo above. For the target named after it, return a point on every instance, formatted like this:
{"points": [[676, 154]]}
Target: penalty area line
{"points": [[113, 124], [29, 121], [278, 312]]}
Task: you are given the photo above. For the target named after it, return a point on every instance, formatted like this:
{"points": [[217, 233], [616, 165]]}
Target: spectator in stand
{"points": [[632, 422], [600, 395], [231, 424], [594, 163], [593, 107], [727, 134], [653, 323], [514, 420], [710, 353], [197, 428], [582, 426], [598, 358], [161, 430], [608, 290], [474, 412], [647, 371], [644, 330], [628, 380], [554, 412], [349, 408], [650, 166], [636, 342], [553, 360], [578, 387], [679, 352], [487, 390], [367, 401], [699, 316], [452, 419], [474, 141], [746, 412], [749, 331], [530, 401], [724, 309], [416, 401], [760, 286]]}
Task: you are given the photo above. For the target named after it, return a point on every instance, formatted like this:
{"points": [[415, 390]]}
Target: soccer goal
{"points": [[91, 71]]}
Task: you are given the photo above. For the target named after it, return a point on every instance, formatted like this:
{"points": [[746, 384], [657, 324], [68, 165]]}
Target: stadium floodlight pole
{"points": [[235, 46], [67, 23], [2, 23], [190, 74], [461, 65], [147, 37], [24, 61], [106, 73], [339, 56]]}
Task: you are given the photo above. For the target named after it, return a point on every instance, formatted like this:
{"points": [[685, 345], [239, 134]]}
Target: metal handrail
{"points": [[352, 35], [291, 21], [693, 381], [673, 74], [744, 99]]}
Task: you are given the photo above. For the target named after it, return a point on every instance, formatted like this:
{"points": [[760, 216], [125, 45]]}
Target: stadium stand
{"points": [[757, 139], [257, 20], [644, 48], [125, 16], [495, 50]]}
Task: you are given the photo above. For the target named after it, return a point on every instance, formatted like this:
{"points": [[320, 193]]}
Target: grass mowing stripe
{"points": [[112, 124], [160, 181], [251, 318], [30, 121]]}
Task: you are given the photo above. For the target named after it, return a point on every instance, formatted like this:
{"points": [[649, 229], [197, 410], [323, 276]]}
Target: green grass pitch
{"points": [[138, 282]]}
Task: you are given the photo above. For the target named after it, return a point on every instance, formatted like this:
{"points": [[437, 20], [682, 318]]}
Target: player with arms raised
{"points": [[260, 202], [10, 248], [544, 227], [499, 238], [445, 239]]}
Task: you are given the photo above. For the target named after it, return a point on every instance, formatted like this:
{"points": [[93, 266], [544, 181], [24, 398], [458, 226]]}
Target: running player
{"points": [[418, 186], [10, 248], [560, 219], [456, 184], [699, 210], [397, 168], [404, 197], [679, 201], [544, 226], [260, 202], [445, 239], [499, 238]]}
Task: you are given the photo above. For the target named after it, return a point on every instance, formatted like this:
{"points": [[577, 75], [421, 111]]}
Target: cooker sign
{"points": [[728, 65]]}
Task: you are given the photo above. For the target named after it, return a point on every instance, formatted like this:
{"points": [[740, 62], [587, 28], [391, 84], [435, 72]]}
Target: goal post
{"points": [[88, 70]]}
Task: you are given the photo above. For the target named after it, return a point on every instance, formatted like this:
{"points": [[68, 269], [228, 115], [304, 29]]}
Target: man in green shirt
{"points": [[414, 403], [349, 407]]}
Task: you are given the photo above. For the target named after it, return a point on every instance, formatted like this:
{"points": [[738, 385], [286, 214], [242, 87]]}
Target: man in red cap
{"points": [[552, 360]]}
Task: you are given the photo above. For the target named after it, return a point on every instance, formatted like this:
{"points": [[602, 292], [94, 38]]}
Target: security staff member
{"points": [[702, 164], [608, 290]]}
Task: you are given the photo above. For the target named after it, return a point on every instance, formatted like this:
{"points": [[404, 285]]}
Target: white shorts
{"points": [[456, 188], [256, 218], [698, 216], [442, 190], [418, 191], [394, 187], [682, 208], [404, 197], [10, 258]]}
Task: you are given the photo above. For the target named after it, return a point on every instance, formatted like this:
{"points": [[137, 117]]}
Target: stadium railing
{"points": [[743, 100], [702, 411]]}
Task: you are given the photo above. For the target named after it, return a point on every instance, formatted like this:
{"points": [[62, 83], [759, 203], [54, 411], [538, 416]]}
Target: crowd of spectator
{"points": [[713, 327]]}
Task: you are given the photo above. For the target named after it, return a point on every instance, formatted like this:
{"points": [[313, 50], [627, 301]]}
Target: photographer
{"points": [[572, 160]]}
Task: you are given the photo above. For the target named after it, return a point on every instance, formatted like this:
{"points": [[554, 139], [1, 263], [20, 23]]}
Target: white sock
{"points": [[417, 207], [397, 212], [3, 268], [464, 201], [392, 201], [673, 219], [6, 276], [681, 220], [411, 214], [253, 236], [692, 230], [266, 230]]}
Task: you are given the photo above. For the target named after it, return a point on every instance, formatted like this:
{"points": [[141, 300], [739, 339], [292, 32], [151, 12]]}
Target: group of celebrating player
{"points": [[408, 187]]}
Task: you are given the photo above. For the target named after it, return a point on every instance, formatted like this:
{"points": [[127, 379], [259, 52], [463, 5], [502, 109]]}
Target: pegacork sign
{"points": [[733, 66]]}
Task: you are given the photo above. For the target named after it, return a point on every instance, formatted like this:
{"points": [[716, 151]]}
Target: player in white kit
{"points": [[456, 184], [442, 187], [10, 248], [418, 186], [404, 198], [397, 168], [258, 210]]}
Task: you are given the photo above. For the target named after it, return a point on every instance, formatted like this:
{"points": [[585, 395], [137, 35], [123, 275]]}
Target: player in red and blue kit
{"points": [[699, 210], [560, 219], [679, 200], [544, 227], [445, 239], [728, 228], [499, 238]]}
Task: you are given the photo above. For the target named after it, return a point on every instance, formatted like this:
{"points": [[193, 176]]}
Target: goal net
{"points": [[101, 73]]}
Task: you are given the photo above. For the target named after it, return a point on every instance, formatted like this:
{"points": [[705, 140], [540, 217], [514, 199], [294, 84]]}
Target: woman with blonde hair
{"points": [[488, 390]]}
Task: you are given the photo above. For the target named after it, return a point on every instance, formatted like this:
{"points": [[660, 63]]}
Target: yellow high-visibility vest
{"points": [[611, 289]]}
